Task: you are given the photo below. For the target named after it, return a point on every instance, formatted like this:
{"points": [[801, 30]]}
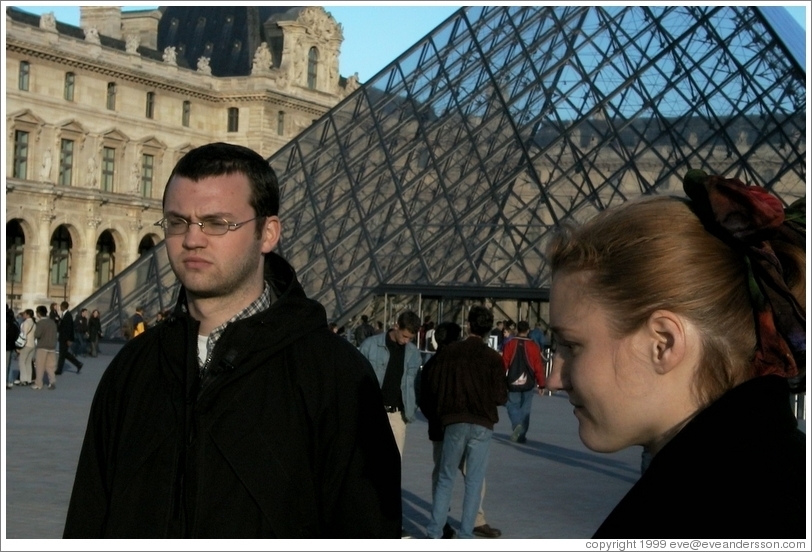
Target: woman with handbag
{"points": [[25, 354]]}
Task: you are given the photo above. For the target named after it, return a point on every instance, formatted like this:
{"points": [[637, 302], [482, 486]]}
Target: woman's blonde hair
{"points": [[654, 253]]}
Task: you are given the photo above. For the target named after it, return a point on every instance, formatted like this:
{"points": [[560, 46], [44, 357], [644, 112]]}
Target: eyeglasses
{"points": [[175, 226]]}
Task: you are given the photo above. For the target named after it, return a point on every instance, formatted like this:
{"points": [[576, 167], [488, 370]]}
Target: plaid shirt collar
{"points": [[263, 302]]}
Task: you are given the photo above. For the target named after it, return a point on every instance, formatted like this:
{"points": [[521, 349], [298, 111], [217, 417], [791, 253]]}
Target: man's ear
{"points": [[667, 334], [271, 232]]}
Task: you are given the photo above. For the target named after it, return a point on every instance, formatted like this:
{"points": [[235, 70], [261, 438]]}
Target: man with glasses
{"points": [[242, 414]]}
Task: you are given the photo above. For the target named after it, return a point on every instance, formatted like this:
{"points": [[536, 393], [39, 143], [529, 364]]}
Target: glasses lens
{"points": [[215, 227], [175, 225]]}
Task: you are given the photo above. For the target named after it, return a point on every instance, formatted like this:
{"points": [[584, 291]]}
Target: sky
{"points": [[373, 35]]}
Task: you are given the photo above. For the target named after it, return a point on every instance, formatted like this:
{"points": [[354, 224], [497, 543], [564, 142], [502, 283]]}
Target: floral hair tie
{"points": [[746, 217]]}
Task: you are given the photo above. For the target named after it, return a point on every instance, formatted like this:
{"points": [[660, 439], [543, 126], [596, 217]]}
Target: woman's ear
{"points": [[668, 335]]}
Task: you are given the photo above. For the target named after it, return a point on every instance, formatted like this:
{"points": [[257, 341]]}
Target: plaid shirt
{"points": [[262, 303]]}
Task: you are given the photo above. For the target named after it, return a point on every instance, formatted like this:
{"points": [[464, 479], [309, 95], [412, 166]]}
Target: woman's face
{"points": [[95, 314], [606, 377]]}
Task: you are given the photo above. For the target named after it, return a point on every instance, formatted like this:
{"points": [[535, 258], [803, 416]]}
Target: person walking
{"points": [[523, 355], [46, 334], [468, 383], [66, 337], [445, 334]]}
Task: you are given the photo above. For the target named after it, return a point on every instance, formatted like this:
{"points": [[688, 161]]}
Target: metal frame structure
{"points": [[446, 174]]}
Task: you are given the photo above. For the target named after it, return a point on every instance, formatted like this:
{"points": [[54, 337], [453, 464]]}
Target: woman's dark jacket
{"points": [[286, 436], [94, 328], [737, 470]]}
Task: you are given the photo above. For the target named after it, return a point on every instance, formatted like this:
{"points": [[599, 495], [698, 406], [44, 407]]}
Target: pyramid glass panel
{"points": [[447, 172]]}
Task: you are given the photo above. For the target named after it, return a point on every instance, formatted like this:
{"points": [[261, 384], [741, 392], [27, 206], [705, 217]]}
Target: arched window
{"points": [[105, 259], [61, 245], [312, 68]]}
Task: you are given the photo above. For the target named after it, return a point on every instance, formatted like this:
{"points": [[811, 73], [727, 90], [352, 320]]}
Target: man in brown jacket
{"points": [[468, 383]]}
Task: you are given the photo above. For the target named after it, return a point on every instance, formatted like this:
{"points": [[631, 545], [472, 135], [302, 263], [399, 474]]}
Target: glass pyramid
{"points": [[445, 174]]}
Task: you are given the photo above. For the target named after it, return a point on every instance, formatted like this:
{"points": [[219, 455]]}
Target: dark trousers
{"points": [[65, 354]]}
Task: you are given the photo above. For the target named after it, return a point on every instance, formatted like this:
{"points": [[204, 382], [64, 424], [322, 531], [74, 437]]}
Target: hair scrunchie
{"points": [[746, 217]]}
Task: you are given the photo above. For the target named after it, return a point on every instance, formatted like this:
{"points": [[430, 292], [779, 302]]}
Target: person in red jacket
{"points": [[520, 393]]}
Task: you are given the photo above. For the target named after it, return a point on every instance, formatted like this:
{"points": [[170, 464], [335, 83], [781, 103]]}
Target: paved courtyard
{"points": [[552, 487]]}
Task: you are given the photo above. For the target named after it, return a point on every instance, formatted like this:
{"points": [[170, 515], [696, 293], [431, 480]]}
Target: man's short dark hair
{"points": [[481, 320], [64, 305], [523, 326], [364, 318], [42, 310], [409, 321], [220, 158], [446, 333]]}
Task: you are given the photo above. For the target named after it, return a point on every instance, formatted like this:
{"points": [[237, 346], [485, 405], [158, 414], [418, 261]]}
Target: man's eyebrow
{"points": [[227, 216]]}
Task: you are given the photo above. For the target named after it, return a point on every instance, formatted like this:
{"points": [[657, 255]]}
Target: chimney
{"points": [[106, 19]]}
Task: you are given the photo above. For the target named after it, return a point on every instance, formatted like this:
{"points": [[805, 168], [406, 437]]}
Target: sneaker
{"points": [[51, 386], [36, 387], [9, 386], [515, 435], [16, 382], [487, 532]]}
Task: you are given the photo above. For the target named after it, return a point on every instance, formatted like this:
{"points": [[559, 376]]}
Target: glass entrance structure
{"points": [[444, 175]]}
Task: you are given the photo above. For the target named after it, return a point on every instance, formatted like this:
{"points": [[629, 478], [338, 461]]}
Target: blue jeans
{"points": [[519, 405], [9, 370], [472, 441]]}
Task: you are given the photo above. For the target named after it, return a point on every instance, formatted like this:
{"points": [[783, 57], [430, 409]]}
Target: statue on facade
{"points": [[203, 65], [47, 21], [91, 172], [170, 56], [352, 83], [45, 169], [135, 178], [263, 60], [132, 44], [92, 35]]}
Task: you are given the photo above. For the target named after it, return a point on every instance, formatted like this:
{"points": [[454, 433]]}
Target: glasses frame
{"points": [[230, 226]]}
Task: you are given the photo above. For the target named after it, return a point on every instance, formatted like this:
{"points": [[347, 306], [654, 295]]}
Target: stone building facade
{"points": [[97, 116]]}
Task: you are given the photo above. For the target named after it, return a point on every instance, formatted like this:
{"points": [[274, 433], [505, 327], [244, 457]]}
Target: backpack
{"points": [[520, 375]]}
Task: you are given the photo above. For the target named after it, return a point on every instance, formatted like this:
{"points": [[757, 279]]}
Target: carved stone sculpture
{"points": [[45, 170], [47, 21], [170, 56], [263, 60], [203, 65], [92, 35], [132, 44]]}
